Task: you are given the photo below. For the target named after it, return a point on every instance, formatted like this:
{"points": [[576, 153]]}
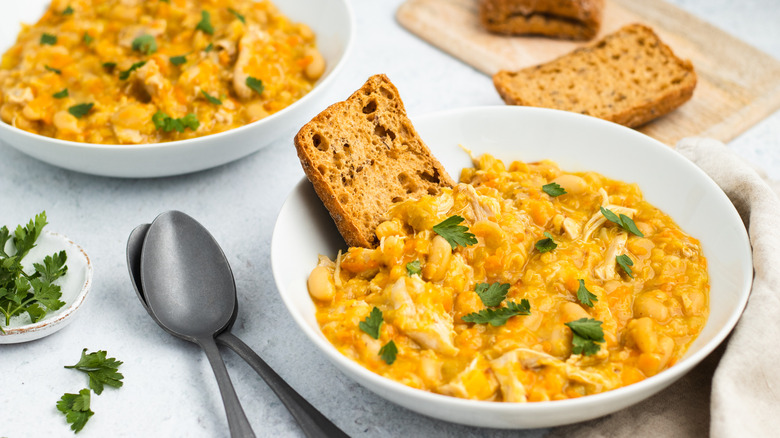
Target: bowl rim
{"points": [[637, 391], [320, 84]]}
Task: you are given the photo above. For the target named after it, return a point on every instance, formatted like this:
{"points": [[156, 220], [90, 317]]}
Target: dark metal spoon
{"points": [[311, 421]]}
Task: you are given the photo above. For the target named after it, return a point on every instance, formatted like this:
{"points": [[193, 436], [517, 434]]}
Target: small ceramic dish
{"points": [[74, 286], [332, 23], [577, 143]]}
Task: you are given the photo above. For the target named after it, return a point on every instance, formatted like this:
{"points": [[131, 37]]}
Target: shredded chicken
{"points": [[253, 37], [607, 270]]}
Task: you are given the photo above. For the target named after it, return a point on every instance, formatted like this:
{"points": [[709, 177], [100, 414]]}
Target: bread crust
{"points": [[630, 77], [570, 19], [362, 155]]}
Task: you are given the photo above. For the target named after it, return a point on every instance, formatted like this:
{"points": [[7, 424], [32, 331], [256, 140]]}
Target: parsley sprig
{"points": [[210, 98], [145, 44], [455, 234], [102, 370], [413, 268], [623, 221], [547, 244], [255, 84], [498, 317], [625, 262], [124, 75], [388, 352], [205, 23], [554, 189], [492, 294], [76, 409], [585, 296], [587, 335], [167, 123], [372, 322]]}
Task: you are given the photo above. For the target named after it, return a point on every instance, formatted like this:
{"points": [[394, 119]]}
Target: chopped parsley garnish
{"points": [[545, 245], [211, 98], [255, 84], [101, 370], [145, 44], [388, 352], [413, 268], [239, 16], [53, 70], [372, 322], [499, 317], [76, 409], [553, 189], [492, 294], [205, 23], [455, 234], [625, 261], [48, 39], [209, 48], [81, 109], [109, 66], [67, 11], [126, 74], [623, 221], [587, 335], [584, 295], [167, 123], [87, 38], [178, 60], [61, 94]]}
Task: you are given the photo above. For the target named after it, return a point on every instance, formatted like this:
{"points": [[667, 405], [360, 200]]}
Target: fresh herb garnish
{"points": [[209, 48], [584, 295], [67, 11], [205, 23], [625, 261], [145, 44], [623, 221], [413, 268], [587, 335], [53, 70], [178, 60], [211, 98], [372, 322], [109, 66], [61, 94], [76, 409], [48, 39], [87, 38], [455, 234], [388, 352], [255, 84], [167, 123], [492, 294], [545, 245], [101, 370], [553, 189], [126, 74], [81, 109], [499, 317], [239, 16], [32, 293]]}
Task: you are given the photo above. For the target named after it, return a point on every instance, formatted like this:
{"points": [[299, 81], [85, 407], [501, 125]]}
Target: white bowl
{"points": [[75, 285], [577, 143], [332, 22]]}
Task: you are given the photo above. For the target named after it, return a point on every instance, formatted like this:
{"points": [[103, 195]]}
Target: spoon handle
{"points": [[237, 421], [312, 422]]}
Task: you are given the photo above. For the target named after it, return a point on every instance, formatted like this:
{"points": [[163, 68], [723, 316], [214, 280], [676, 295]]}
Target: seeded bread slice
{"points": [[630, 77], [570, 19], [362, 155]]}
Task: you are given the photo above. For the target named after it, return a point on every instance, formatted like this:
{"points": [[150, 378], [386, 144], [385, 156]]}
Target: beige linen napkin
{"points": [[735, 392]]}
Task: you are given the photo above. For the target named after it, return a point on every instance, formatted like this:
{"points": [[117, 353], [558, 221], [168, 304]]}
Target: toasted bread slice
{"points": [[570, 19], [362, 155], [630, 77]]}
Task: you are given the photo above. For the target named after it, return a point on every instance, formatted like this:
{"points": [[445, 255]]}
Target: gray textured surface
{"points": [[169, 389]]}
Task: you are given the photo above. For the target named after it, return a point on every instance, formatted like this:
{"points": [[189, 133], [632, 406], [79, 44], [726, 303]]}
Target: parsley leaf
{"points": [[109, 66], [455, 234], [101, 370], [625, 261], [209, 48], [623, 221], [67, 11], [492, 294], [167, 123], [372, 322], [145, 44], [211, 98], [413, 268], [76, 409], [178, 60], [87, 38], [584, 295], [587, 335], [239, 16], [205, 23], [48, 39], [498, 317], [53, 266], [388, 352], [553, 189], [81, 109], [126, 74], [545, 245], [53, 70], [61, 94], [255, 84]]}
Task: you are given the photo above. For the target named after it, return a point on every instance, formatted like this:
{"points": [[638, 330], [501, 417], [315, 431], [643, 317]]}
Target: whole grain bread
{"points": [[630, 77], [363, 154], [570, 19]]}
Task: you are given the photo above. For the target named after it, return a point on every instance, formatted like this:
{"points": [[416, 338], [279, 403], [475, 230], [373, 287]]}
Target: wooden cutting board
{"points": [[738, 84]]}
